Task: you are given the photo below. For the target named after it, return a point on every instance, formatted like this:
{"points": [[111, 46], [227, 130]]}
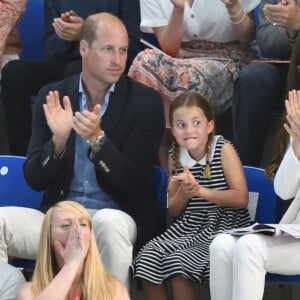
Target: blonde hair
{"points": [[97, 283], [190, 99]]}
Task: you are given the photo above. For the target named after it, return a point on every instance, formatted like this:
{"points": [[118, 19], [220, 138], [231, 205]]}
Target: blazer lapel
{"points": [[118, 102], [73, 94]]}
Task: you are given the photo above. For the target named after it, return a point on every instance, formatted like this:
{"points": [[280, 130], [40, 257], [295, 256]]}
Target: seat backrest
{"points": [[160, 181], [32, 28], [14, 190], [269, 205]]}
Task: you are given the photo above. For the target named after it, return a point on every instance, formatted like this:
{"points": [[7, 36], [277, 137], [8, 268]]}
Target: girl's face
{"points": [[191, 129], [63, 222]]}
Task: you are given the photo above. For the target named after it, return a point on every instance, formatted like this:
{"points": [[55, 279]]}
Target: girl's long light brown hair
{"points": [[192, 99]]}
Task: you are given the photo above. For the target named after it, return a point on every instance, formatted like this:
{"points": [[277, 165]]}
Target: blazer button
{"points": [[45, 161]]}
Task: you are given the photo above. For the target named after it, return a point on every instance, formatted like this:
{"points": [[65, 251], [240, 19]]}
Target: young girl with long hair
{"points": [[207, 194]]}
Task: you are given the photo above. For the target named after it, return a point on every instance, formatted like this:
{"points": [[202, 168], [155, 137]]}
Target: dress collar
{"points": [[187, 160]]}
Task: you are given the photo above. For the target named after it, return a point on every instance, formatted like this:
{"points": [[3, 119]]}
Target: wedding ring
{"points": [[274, 24]]}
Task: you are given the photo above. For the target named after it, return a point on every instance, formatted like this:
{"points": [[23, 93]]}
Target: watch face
{"points": [[100, 140]]}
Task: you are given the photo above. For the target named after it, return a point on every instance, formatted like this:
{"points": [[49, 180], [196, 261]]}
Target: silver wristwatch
{"points": [[100, 140]]}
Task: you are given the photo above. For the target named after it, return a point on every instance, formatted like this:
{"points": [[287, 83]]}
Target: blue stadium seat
{"points": [[32, 28], [160, 181], [14, 191]]}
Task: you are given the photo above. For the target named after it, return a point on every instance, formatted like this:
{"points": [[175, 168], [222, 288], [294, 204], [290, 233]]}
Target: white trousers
{"points": [[115, 233], [10, 280], [238, 265]]}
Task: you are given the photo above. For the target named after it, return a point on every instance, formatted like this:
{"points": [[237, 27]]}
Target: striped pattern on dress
{"points": [[183, 249]]}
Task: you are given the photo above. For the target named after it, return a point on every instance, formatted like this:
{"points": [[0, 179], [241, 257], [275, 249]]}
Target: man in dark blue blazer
{"points": [[23, 78], [95, 138]]}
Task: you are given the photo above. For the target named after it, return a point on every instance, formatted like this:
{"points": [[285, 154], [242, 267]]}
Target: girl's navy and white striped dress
{"points": [[183, 249]]}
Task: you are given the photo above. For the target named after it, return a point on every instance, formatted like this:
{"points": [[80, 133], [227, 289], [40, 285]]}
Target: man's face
{"points": [[105, 60]]}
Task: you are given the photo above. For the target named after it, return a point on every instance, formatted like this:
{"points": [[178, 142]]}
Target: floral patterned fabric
{"points": [[10, 13], [207, 67]]}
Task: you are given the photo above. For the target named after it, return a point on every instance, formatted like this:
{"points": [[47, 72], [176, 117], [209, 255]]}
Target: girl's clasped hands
{"points": [[187, 182]]}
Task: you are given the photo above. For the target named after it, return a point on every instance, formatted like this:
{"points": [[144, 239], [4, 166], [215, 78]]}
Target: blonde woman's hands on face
{"points": [[74, 251], [292, 126], [285, 14]]}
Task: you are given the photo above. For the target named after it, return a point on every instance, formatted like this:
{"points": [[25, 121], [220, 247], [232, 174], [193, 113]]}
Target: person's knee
{"points": [[248, 247], [246, 241], [104, 222], [5, 216], [112, 224], [255, 89], [222, 246], [258, 76]]}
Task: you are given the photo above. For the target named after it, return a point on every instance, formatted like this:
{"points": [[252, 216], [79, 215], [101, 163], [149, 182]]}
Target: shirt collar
{"points": [[83, 98], [187, 160]]}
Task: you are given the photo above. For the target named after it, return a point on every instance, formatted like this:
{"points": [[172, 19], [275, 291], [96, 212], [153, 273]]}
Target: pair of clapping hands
{"points": [[68, 26], [285, 14], [187, 182], [61, 120]]}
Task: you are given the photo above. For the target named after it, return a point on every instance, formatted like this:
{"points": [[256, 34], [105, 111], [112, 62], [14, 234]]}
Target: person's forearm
{"points": [[177, 202], [61, 284], [287, 178], [245, 30], [59, 144], [227, 198], [170, 37], [243, 24]]}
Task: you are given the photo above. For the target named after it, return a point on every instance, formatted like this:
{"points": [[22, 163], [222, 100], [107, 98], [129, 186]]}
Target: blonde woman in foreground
{"points": [[68, 265]]}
